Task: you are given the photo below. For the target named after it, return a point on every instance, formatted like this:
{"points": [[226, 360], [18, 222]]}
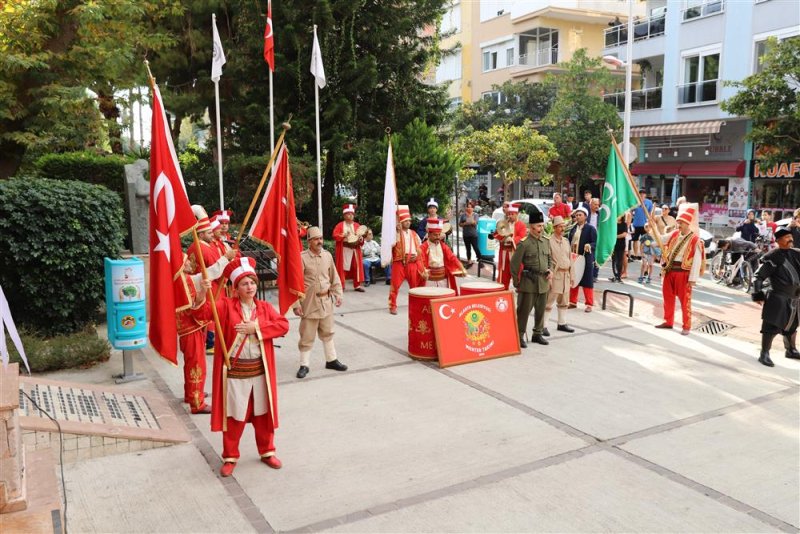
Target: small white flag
{"points": [[389, 220], [316, 63], [218, 55], [6, 321]]}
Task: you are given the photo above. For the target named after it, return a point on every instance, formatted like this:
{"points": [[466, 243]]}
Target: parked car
{"points": [[708, 242], [527, 206]]}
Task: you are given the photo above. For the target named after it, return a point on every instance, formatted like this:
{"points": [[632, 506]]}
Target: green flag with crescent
{"points": [[618, 197]]}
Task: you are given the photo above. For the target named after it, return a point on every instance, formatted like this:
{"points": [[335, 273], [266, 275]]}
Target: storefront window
{"points": [[778, 195]]}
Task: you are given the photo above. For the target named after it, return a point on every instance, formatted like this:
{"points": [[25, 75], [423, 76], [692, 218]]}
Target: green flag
{"points": [[618, 197]]}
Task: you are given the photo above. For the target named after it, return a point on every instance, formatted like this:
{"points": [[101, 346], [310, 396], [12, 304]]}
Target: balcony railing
{"points": [[640, 100], [709, 7], [698, 92], [642, 29], [540, 58]]}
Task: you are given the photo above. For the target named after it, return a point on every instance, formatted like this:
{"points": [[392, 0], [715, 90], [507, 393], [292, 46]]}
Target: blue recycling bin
{"points": [[125, 303], [486, 245]]}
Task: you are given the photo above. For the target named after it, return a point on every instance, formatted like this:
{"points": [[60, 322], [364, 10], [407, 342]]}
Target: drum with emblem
{"points": [[476, 288], [421, 342]]}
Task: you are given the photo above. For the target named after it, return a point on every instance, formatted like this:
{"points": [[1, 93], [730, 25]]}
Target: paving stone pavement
{"points": [[618, 427]]}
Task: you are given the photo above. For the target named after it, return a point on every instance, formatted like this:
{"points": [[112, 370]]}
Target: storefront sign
{"points": [[779, 170], [739, 189], [472, 328], [715, 214]]}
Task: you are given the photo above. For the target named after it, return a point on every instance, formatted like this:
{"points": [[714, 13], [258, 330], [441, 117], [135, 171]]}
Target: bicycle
{"points": [[723, 270]]}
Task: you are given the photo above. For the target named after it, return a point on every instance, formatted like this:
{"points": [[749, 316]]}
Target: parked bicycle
{"points": [[736, 262]]}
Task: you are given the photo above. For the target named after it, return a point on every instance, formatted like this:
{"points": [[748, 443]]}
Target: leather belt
{"points": [[324, 294], [563, 270]]}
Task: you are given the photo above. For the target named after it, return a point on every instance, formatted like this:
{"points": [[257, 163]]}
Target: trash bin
{"points": [[486, 245]]}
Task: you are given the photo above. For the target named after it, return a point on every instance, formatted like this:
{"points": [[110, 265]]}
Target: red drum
{"points": [[475, 288], [421, 342], [436, 274]]}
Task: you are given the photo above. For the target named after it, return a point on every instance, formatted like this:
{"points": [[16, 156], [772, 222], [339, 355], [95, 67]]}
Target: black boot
{"points": [[766, 343], [540, 340], [522, 343], [546, 332], [791, 348]]}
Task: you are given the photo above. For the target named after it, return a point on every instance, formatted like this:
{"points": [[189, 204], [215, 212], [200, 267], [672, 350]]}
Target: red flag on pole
{"points": [[275, 224], [170, 217], [269, 41]]}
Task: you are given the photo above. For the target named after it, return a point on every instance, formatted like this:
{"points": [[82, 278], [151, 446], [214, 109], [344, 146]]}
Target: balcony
{"points": [[642, 29], [641, 100], [540, 58], [704, 9], [698, 92]]}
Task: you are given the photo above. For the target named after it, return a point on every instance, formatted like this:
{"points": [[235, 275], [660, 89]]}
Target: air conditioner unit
{"points": [[658, 11]]}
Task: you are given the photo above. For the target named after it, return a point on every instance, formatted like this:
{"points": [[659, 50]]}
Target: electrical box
{"points": [[125, 303]]}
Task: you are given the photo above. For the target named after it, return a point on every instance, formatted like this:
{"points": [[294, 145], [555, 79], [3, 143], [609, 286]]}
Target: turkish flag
{"points": [[170, 217], [269, 41], [275, 225]]}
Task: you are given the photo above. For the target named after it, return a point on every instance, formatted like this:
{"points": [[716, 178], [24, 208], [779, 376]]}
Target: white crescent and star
{"points": [[269, 23], [163, 185], [442, 311]]}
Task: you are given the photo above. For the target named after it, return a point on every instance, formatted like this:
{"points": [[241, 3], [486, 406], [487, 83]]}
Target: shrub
{"points": [[81, 349], [55, 235], [107, 170]]}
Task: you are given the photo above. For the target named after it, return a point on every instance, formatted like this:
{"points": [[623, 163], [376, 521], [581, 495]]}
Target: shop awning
{"points": [[678, 128], [695, 168], [666, 168], [713, 168]]}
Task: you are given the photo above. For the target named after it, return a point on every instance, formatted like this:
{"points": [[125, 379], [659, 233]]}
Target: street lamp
{"points": [[626, 117]]}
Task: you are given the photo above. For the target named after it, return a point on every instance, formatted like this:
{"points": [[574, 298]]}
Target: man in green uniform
{"points": [[531, 271]]}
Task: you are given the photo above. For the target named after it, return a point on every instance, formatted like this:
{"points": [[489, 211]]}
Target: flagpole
{"points": [[632, 183], [271, 116], [319, 161], [219, 148], [286, 127]]}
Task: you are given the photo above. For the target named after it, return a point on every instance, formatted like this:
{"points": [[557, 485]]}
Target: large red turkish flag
{"points": [[275, 224], [170, 217], [269, 40]]}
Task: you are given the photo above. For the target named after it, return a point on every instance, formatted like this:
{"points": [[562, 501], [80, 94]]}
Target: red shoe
{"points": [[205, 408], [272, 461], [393, 311], [227, 469], [665, 326]]}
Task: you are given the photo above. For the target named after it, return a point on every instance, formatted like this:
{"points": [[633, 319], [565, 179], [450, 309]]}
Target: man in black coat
{"points": [[781, 302]]}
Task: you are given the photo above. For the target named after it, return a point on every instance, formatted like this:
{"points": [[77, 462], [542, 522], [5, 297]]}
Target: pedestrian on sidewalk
{"points": [[469, 226], [248, 391], [560, 284], [684, 263], [192, 323], [371, 251], [649, 252], [583, 239], [781, 304], [531, 268], [348, 238], [323, 291], [619, 252]]}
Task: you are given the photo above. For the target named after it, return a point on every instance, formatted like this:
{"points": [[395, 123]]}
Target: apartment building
{"points": [[687, 145]]}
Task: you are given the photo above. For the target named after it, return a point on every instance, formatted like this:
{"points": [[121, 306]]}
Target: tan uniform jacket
{"points": [[322, 284], [559, 251]]}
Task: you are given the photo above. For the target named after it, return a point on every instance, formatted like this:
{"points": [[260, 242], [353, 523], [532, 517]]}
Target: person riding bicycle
{"points": [[737, 247]]}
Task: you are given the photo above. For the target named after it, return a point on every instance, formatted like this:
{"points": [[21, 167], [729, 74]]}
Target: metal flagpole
{"points": [[219, 148], [319, 161], [271, 116], [626, 132]]}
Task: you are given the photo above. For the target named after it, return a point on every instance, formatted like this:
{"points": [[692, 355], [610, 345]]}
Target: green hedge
{"points": [[98, 169], [54, 235], [81, 349]]}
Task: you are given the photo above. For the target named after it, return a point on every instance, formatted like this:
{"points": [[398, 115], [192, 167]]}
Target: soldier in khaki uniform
{"points": [[323, 290], [532, 271], [561, 282]]}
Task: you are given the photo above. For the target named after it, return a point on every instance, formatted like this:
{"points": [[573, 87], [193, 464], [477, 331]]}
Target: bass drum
{"points": [[578, 268]]}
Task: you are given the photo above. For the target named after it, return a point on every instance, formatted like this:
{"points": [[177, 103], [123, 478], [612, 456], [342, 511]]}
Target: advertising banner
{"points": [[473, 328]]}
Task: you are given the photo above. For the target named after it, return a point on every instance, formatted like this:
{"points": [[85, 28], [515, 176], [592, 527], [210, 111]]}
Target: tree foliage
{"points": [[514, 152], [770, 98], [579, 120], [55, 236]]}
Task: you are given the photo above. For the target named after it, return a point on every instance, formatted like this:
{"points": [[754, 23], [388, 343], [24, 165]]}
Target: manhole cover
{"points": [[715, 328], [87, 406]]}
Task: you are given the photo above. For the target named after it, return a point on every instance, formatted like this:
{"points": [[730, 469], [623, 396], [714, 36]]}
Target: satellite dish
{"points": [[632, 150]]}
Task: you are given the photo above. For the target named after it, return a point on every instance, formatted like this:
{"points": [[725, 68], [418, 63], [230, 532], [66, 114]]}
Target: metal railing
{"points": [[540, 58], [641, 99], [698, 92], [642, 29], [710, 7]]}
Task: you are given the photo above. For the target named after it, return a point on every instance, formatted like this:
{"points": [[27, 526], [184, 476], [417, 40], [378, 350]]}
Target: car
{"points": [[708, 242], [527, 206]]}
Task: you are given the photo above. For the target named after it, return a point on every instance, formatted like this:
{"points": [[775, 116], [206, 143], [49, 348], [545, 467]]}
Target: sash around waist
{"points": [[246, 368]]}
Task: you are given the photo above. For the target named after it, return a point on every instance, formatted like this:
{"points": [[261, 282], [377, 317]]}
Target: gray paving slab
{"points": [[170, 489], [600, 492], [362, 439], [606, 387], [751, 455]]}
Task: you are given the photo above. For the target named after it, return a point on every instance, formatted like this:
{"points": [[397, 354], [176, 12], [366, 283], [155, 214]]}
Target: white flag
{"points": [[316, 63], [218, 56], [389, 220], [7, 321]]}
